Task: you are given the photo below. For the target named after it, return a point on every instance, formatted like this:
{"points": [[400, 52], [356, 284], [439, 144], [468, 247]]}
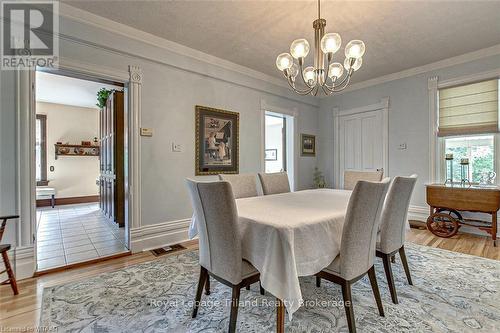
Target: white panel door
{"points": [[361, 142]]}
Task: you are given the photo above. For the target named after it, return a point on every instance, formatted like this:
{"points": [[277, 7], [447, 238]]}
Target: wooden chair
{"points": [[357, 249], [393, 223], [274, 183], [3, 250], [219, 242], [352, 177], [243, 185]]}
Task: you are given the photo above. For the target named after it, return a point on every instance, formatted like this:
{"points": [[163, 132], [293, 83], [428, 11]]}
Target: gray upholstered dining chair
{"points": [[219, 242], [357, 248], [243, 185], [352, 177], [394, 219], [274, 183]]}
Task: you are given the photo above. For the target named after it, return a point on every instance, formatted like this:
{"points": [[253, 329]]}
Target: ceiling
{"points": [[398, 34], [66, 90]]}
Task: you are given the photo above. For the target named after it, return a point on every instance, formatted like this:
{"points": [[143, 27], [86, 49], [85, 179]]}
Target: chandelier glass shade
{"points": [[325, 75]]}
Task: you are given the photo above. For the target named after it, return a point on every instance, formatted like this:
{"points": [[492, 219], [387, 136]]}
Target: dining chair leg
{"points": [[207, 286], [10, 273], [199, 291], [402, 254], [376, 292], [248, 287], [262, 290], [318, 281], [235, 299], [280, 316], [390, 279], [349, 311]]}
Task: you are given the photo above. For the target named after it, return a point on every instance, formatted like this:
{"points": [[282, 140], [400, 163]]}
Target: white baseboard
{"points": [[158, 235], [22, 261], [421, 213]]}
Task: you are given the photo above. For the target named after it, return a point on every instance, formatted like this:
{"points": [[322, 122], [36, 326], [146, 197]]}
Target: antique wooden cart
{"points": [[448, 201]]}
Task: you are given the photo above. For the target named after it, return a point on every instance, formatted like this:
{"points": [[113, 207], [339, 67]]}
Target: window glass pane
{"points": [[38, 150], [479, 150]]}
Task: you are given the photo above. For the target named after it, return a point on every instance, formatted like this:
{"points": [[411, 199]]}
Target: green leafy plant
{"points": [[319, 179], [102, 96]]}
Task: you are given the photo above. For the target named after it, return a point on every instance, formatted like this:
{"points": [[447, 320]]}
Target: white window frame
{"points": [[436, 144], [442, 162]]}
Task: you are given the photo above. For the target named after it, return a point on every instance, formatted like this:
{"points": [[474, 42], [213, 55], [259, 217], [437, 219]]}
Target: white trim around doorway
{"points": [[383, 105], [293, 112], [25, 104]]}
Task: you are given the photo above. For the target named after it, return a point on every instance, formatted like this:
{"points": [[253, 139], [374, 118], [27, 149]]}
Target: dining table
{"points": [[289, 235]]}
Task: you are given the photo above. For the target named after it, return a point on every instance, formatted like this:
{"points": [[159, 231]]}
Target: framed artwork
{"points": [[308, 145], [271, 154], [217, 141]]}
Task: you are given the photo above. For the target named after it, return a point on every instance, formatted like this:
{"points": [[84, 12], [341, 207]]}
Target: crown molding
{"points": [[461, 59], [100, 22]]}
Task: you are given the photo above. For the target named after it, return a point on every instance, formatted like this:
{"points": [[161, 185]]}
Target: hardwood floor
{"points": [[24, 310]]}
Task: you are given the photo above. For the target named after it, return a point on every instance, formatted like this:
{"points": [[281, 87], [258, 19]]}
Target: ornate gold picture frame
{"points": [[217, 141]]}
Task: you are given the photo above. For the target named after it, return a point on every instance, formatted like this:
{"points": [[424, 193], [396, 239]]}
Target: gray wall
{"points": [[172, 86], [408, 120]]}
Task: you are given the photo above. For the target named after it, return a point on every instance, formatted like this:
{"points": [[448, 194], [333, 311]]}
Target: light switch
{"points": [[402, 146], [146, 131], [176, 147]]}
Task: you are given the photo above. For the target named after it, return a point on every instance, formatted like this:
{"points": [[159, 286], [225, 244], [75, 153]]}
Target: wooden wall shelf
{"points": [[75, 150]]}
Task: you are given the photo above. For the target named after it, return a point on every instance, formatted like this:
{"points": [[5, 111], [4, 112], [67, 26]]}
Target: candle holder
{"points": [[449, 168], [464, 171]]}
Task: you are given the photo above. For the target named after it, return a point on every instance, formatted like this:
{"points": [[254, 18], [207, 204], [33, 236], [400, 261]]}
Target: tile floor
{"points": [[74, 233]]}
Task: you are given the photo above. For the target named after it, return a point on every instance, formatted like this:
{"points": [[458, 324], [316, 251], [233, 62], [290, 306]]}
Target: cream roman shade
{"points": [[469, 109]]}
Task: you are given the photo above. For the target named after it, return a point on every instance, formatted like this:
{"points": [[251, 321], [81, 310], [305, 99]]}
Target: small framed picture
{"points": [[271, 155], [308, 145]]}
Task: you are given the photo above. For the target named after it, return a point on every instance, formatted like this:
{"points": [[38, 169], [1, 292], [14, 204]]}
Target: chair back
{"points": [[274, 183], [216, 217], [243, 185], [395, 214], [352, 177], [359, 236]]}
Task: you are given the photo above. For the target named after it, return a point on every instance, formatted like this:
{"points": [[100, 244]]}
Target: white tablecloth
{"points": [[290, 235]]}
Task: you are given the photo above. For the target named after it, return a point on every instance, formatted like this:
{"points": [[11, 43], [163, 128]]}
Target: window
{"points": [[468, 126], [41, 150], [480, 150]]}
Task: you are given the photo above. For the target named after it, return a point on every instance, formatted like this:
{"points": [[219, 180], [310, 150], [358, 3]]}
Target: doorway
{"points": [[362, 140], [78, 144], [279, 144]]}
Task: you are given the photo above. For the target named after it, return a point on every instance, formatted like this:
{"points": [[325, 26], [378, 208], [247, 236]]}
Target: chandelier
{"points": [[336, 77]]}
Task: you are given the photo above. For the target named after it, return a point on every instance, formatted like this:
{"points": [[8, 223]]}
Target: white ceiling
{"points": [[398, 34], [66, 90]]}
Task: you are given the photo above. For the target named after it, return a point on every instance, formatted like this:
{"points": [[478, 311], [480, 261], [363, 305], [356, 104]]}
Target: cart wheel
{"points": [[454, 213], [442, 225]]}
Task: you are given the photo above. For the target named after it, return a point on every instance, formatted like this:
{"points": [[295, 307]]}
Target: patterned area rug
{"points": [[452, 292]]}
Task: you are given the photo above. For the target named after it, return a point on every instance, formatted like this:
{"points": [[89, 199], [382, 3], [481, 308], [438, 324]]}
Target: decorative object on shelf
{"points": [[333, 77], [217, 141], [308, 145], [271, 154], [75, 150], [96, 141], [102, 96], [318, 178], [449, 168], [86, 143], [464, 171]]}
